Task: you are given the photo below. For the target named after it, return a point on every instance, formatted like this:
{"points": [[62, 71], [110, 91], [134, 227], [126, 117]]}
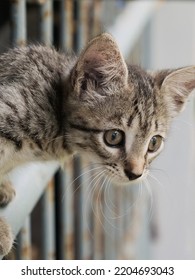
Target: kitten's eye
{"points": [[155, 143], [114, 138]]}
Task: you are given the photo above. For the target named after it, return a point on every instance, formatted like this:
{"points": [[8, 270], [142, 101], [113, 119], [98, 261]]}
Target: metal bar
{"points": [[18, 22], [47, 200], [98, 207], [82, 23], [48, 223], [64, 187], [46, 24], [119, 221], [60, 180], [69, 211], [127, 239], [79, 39], [80, 36], [109, 224], [25, 241], [87, 234], [142, 239], [133, 202], [78, 26], [18, 243], [97, 12], [77, 208], [66, 24]]}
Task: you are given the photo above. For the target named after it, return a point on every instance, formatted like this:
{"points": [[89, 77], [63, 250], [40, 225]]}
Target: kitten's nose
{"points": [[130, 175]]}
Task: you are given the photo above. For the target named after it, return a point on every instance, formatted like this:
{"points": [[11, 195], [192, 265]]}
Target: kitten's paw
{"points": [[7, 193], [6, 238]]}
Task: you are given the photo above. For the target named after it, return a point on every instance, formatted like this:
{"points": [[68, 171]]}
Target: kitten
{"points": [[52, 105]]}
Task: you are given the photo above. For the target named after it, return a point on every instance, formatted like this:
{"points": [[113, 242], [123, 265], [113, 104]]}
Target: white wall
{"points": [[173, 45]]}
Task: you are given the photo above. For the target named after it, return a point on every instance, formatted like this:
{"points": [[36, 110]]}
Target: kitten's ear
{"points": [[99, 65], [176, 85]]}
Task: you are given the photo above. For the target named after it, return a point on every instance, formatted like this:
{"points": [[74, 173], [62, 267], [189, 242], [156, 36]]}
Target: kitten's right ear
{"points": [[100, 65], [176, 85]]}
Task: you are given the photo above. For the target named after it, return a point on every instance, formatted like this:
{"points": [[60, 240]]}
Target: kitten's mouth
{"points": [[125, 182]]}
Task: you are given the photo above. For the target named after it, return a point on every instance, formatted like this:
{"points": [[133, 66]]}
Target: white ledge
{"points": [[29, 182], [130, 24]]}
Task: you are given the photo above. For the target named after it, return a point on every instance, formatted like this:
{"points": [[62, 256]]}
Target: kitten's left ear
{"points": [[100, 65], [176, 85]]}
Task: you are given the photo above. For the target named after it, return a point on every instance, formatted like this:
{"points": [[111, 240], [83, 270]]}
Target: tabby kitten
{"points": [[52, 105]]}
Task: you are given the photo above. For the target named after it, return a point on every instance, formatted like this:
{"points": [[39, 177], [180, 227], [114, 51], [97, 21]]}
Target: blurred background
{"points": [[83, 217]]}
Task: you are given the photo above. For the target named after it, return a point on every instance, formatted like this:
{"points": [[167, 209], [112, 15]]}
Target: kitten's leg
{"points": [[6, 238], [7, 193]]}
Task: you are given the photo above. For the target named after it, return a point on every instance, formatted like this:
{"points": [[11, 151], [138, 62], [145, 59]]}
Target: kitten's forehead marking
{"points": [[130, 133]]}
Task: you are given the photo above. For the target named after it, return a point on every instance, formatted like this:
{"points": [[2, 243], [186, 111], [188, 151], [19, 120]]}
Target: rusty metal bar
{"points": [[46, 22], [109, 224], [68, 199], [48, 223], [25, 241], [47, 200], [83, 22], [131, 220], [18, 242], [65, 237], [66, 24], [60, 182], [118, 220], [98, 217], [96, 16], [79, 39], [78, 26], [64, 189], [18, 22], [87, 230], [78, 219]]}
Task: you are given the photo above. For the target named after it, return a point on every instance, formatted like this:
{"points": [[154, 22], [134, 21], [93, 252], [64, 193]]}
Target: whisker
{"points": [[148, 187], [99, 205], [96, 202], [109, 196], [128, 209], [155, 179], [113, 215], [84, 173], [190, 124], [161, 171], [92, 190], [97, 177], [105, 201]]}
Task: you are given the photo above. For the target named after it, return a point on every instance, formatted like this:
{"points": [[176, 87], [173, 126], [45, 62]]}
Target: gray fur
{"points": [[52, 105]]}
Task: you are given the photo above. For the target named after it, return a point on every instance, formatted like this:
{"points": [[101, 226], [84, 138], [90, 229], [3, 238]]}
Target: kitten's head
{"points": [[121, 114]]}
